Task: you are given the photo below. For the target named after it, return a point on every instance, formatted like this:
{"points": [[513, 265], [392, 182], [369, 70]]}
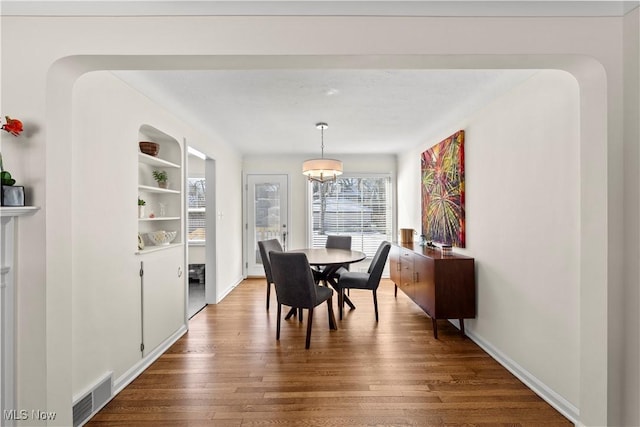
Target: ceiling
{"points": [[318, 7], [275, 111], [368, 111]]}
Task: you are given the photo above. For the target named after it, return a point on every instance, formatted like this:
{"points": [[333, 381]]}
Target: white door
{"points": [[267, 216]]}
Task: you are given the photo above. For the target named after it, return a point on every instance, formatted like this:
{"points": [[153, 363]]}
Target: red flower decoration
{"points": [[13, 126]]}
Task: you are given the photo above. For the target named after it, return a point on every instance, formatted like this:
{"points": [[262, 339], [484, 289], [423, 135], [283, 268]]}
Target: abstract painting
{"points": [[443, 192]]}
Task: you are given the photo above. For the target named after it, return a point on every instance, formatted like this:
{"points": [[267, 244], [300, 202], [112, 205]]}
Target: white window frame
{"points": [[390, 204]]}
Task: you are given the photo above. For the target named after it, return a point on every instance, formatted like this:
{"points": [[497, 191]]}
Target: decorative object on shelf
{"points": [[150, 148], [140, 242], [5, 176], [447, 249], [10, 196], [141, 204], [443, 215], [322, 170], [161, 178], [13, 126], [162, 237]]}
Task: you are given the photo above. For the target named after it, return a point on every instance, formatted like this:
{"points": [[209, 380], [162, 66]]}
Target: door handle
{"points": [[284, 236]]}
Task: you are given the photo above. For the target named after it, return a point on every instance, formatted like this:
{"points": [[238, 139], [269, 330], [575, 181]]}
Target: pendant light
{"points": [[322, 170]]}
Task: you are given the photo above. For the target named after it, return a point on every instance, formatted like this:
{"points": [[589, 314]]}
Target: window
{"points": [[196, 227], [358, 206]]}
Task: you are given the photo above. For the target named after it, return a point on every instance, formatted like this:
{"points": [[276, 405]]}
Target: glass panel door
{"points": [[267, 216]]}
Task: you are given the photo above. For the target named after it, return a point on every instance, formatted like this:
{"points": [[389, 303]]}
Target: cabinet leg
{"points": [[462, 327], [435, 327]]}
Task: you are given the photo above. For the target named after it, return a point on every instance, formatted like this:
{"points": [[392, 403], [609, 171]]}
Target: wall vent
{"points": [[92, 401]]}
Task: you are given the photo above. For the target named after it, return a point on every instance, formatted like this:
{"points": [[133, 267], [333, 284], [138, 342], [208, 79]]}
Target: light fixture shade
{"points": [[322, 170]]}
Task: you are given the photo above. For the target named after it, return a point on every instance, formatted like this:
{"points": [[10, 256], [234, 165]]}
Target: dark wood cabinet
{"points": [[443, 285]]}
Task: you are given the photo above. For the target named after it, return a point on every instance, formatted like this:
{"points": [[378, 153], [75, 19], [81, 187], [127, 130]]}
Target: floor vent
{"points": [[86, 405]]}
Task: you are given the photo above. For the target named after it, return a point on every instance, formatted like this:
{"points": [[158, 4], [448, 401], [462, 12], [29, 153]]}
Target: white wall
{"points": [[625, 393], [291, 165], [43, 56], [523, 225], [105, 296]]}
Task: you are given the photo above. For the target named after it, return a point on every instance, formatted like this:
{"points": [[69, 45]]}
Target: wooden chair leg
{"points": [[375, 303], [292, 312], [300, 315], [278, 321], [332, 318], [309, 322], [341, 302], [395, 290], [268, 294]]}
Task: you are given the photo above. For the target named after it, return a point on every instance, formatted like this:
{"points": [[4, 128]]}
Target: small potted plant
{"points": [[141, 204], [161, 178]]}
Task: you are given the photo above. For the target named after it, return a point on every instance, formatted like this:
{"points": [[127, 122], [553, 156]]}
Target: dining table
{"points": [[329, 261]]}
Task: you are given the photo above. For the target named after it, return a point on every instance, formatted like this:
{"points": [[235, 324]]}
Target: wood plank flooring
{"points": [[229, 370]]}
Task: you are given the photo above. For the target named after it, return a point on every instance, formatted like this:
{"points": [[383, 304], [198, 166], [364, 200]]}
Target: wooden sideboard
{"points": [[443, 285]]}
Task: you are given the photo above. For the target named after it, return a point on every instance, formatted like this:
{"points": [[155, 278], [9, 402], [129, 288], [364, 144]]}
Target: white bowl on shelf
{"points": [[161, 237]]}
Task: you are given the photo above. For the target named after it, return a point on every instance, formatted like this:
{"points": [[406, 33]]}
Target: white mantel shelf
{"points": [[18, 210]]}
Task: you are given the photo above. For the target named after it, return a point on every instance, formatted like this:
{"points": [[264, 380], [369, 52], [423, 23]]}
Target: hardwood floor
{"points": [[229, 370]]}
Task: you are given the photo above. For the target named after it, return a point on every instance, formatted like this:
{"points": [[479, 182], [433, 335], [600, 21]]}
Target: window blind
{"points": [[358, 206]]}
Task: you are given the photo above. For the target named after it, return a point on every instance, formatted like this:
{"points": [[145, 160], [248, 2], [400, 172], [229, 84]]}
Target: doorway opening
{"points": [[200, 230]]}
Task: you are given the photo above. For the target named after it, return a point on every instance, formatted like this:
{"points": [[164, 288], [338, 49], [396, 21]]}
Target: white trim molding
{"points": [[551, 397], [8, 286]]}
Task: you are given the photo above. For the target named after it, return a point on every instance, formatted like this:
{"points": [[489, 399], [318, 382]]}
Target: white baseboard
{"points": [[563, 406], [227, 291], [133, 372]]}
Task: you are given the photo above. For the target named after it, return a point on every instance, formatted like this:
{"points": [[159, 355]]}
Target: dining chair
{"points": [[369, 280], [334, 242], [339, 242], [295, 287], [267, 246]]}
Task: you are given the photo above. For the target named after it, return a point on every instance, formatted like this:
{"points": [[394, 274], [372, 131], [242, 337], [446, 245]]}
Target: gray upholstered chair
{"points": [[295, 287], [335, 242], [369, 280], [338, 242], [265, 247]]}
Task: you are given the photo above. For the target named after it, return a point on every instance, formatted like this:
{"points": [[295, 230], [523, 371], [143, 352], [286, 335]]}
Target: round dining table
{"points": [[330, 256], [331, 259]]}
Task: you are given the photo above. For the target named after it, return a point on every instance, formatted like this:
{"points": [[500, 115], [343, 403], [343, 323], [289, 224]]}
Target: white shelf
{"points": [[18, 210], [149, 249], [162, 218], [150, 189], [155, 161]]}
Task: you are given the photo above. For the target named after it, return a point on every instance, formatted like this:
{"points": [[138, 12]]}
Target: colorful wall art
{"points": [[443, 192]]}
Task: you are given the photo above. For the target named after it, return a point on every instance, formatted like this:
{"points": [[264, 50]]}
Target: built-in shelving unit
{"points": [[148, 250], [164, 206]]}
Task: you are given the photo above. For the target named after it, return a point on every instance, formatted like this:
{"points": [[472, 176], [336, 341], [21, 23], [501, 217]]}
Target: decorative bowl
{"points": [[161, 237], [150, 148]]}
